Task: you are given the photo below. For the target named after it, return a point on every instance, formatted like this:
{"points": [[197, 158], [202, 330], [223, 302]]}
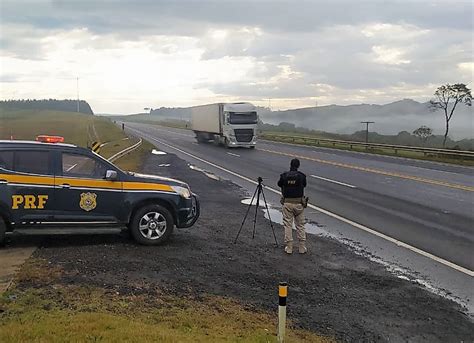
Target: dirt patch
{"points": [[11, 260], [331, 290]]}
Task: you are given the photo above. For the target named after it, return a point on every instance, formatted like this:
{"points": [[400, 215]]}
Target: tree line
{"points": [[66, 105]]}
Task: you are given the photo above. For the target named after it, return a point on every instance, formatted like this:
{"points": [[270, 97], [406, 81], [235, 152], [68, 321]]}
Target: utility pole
{"points": [[77, 88], [367, 129]]}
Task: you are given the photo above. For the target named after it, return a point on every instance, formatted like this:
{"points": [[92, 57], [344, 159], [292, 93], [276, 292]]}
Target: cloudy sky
{"points": [[134, 54]]}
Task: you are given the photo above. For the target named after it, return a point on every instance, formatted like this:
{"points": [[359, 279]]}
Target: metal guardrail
{"points": [[125, 151], [351, 144]]}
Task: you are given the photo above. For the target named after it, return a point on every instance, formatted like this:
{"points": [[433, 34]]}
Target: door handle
{"points": [[65, 185]]}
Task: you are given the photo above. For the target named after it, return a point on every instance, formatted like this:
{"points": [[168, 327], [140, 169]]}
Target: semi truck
{"points": [[227, 124]]}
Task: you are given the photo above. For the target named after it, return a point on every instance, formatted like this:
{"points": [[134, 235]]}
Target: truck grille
{"points": [[244, 135]]}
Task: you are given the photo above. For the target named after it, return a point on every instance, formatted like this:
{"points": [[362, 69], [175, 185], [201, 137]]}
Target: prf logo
{"points": [[29, 202], [88, 201]]}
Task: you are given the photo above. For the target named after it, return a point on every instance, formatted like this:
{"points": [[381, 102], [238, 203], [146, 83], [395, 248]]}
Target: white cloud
{"points": [[129, 56], [388, 55]]}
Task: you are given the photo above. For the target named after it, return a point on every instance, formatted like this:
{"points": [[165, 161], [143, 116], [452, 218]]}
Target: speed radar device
{"points": [[256, 196], [229, 124], [46, 183]]}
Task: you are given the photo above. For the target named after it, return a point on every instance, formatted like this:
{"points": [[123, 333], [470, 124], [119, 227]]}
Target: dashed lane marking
{"points": [[229, 153], [328, 213], [375, 171], [333, 181]]}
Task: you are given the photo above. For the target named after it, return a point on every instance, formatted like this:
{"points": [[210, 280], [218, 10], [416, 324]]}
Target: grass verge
{"points": [[41, 308], [77, 128]]}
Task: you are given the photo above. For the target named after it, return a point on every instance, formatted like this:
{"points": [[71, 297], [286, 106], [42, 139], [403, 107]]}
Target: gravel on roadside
{"points": [[332, 290]]}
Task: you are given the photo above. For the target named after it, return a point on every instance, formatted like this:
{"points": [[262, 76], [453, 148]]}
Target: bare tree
{"points": [[423, 133], [447, 97]]}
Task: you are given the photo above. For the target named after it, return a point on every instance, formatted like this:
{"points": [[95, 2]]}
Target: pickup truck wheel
{"points": [[3, 230], [152, 225]]}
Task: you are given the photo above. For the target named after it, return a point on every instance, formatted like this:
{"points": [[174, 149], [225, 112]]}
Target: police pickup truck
{"points": [[48, 183]]}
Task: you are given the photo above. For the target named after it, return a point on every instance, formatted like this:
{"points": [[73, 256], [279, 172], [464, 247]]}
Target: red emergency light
{"points": [[50, 139]]}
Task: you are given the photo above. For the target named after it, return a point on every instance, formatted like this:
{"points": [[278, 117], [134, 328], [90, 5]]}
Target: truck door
{"points": [[82, 191], [27, 185]]}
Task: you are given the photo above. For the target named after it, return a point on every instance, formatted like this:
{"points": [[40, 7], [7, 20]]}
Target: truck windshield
{"points": [[243, 118]]}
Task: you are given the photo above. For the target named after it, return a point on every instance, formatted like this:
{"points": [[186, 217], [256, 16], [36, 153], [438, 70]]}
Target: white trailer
{"points": [[228, 124]]}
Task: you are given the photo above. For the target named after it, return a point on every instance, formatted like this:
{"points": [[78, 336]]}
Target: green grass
{"points": [[294, 139], [41, 308], [76, 128]]}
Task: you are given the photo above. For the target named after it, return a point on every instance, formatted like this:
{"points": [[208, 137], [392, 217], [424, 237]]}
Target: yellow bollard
{"points": [[282, 294]]}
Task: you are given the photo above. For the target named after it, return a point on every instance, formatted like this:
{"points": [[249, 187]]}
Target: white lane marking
{"points": [[173, 132], [333, 181], [229, 153], [333, 215]]}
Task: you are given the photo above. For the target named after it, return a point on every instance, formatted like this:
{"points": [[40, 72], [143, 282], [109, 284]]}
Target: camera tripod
{"points": [[258, 192]]}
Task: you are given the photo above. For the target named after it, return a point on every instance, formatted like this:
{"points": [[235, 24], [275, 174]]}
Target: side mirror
{"points": [[111, 175]]}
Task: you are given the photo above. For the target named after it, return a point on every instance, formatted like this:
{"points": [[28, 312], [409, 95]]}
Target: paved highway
{"points": [[424, 207]]}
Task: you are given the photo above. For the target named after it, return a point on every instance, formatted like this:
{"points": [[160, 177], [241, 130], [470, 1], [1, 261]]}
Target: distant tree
{"points": [[447, 97], [423, 133]]}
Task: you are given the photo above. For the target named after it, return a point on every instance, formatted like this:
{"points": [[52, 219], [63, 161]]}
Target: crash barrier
{"points": [[446, 153], [282, 294], [125, 151]]}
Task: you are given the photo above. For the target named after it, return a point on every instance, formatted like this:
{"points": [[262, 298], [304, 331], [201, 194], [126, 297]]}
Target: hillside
{"points": [[403, 115], [390, 119], [47, 104]]}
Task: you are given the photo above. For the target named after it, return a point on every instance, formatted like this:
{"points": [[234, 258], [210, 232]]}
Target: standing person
{"points": [[292, 184]]}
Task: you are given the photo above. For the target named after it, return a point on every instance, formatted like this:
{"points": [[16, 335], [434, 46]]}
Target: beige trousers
{"points": [[293, 212]]}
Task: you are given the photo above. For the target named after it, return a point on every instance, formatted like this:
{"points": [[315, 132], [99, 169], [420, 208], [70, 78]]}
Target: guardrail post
{"points": [[282, 294]]}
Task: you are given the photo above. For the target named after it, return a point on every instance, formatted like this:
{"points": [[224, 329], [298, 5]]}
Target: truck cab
{"points": [[240, 125], [54, 184], [230, 124]]}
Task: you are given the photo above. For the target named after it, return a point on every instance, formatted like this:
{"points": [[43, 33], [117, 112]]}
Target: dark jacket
{"points": [[292, 184]]}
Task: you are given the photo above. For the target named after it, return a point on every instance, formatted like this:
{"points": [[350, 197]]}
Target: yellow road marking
{"points": [[376, 171]]}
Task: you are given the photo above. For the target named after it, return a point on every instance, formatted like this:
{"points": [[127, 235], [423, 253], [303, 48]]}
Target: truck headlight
{"points": [[182, 191]]}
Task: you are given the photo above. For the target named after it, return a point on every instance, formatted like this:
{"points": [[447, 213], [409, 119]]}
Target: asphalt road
{"points": [[427, 205]]}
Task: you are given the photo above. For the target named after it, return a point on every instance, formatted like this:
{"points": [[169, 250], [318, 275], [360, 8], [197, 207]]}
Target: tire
{"points": [[3, 230], [216, 141], [152, 225], [200, 138], [252, 147]]}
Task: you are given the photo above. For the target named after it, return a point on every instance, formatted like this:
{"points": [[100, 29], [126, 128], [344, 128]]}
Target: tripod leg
{"points": [[259, 191], [245, 217], [269, 218]]}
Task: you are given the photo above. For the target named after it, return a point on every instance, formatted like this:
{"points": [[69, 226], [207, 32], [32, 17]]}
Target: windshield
{"points": [[243, 118]]}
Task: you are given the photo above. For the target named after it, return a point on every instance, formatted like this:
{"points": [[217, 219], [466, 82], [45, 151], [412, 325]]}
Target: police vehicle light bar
{"points": [[50, 139]]}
